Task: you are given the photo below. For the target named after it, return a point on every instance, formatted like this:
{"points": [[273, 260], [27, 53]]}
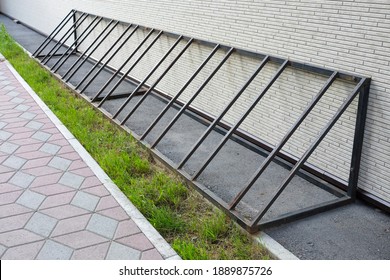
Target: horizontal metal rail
{"points": [[298, 65]]}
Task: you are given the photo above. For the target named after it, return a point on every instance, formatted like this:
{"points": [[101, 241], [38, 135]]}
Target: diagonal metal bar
{"points": [[109, 59], [285, 139], [309, 151], [183, 108], [222, 114], [242, 118], [64, 38], [156, 82], [84, 55], [129, 70], [117, 72], [302, 213], [54, 33], [173, 100], [84, 35]]}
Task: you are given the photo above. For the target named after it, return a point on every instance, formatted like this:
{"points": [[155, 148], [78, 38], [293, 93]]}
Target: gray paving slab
{"points": [[60, 163], [22, 179], [120, 252], [41, 224], [54, 251], [15, 162], [85, 201], [30, 199], [71, 180], [102, 225]]}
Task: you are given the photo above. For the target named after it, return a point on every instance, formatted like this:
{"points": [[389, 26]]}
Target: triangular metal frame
{"points": [[360, 91]]}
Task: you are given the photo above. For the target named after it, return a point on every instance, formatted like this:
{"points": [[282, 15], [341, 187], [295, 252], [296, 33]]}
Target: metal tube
{"points": [[156, 82], [286, 137], [157, 119], [86, 57], [84, 35], [53, 34], [122, 66], [128, 70], [183, 108], [302, 213], [358, 140], [311, 149], [108, 60], [242, 118], [222, 114], [65, 37], [75, 37]]}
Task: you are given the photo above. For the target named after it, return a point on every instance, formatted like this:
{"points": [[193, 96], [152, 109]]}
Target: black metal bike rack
{"points": [[72, 22]]}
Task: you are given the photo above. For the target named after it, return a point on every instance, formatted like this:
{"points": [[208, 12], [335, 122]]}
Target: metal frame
{"points": [[141, 87], [61, 42]]}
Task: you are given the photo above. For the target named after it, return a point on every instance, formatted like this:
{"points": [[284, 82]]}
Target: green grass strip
{"points": [[194, 228]]}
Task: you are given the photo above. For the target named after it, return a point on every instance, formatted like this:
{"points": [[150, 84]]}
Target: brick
{"points": [[96, 252], [120, 252], [54, 251], [23, 252], [80, 239], [41, 224], [102, 225]]}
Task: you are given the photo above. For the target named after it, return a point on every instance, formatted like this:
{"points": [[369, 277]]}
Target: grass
{"points": [[194, 228]]}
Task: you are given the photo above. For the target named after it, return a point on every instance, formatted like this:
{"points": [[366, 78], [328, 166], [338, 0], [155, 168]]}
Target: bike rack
{"points": [[74, 20]]}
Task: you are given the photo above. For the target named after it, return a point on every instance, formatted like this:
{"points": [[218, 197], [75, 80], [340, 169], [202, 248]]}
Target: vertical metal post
{"points": [[156, 82], [84, 35], [75, 38], [242, 118], [127, 72], [84, 55], [358, 139], [183, 108], [64, 38], [108, 60], [222, 114], [280, 145], [308, 152], [173, 100], [55, 32]]}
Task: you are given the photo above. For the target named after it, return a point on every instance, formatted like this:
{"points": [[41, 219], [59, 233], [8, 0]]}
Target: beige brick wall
{"points": [[351, 36]]}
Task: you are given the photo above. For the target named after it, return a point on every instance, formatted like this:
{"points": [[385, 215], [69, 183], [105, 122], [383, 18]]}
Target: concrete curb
{"points": [[274, 248], [151, 233]]}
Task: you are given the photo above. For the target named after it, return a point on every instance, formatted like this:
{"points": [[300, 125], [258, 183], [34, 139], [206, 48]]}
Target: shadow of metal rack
{"points": [[69, 28]]}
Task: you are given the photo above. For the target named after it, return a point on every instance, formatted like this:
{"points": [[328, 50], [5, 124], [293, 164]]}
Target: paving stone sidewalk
{"points": [[52, 204]]}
